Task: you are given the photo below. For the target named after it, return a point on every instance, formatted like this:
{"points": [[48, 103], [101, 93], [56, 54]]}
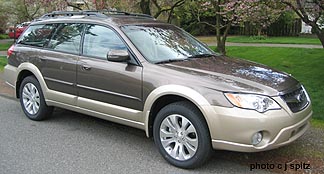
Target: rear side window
{"points": [[67, 38], [98, 40], [37, 35]]}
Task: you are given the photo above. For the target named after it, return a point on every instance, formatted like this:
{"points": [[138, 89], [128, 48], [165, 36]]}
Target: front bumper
{"points": [[233, 128]]}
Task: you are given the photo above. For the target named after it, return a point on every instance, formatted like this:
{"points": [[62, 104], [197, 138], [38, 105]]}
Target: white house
{"points": [[306, 28]]}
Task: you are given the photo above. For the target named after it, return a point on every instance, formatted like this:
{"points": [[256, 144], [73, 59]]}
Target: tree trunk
{"points": [[321, 38], [220, 43], [145, 7], [225, 34], [221, 47], [318, 31], [259, 31]]}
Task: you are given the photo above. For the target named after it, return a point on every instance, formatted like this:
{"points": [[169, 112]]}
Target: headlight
{"points": [[259, 103]]}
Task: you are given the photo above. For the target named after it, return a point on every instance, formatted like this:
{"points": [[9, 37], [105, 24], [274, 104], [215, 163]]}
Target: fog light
{"points": [[257, 138]]}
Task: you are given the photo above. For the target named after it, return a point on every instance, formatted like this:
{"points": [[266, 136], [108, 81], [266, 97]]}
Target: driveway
{"points": [[74, 143]]}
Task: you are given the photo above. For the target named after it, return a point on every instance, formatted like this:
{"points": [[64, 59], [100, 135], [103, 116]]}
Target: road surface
{"points": [[69, 142]]}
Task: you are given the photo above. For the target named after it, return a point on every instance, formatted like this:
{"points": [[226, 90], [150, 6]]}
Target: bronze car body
{"points": [[142, 92]]}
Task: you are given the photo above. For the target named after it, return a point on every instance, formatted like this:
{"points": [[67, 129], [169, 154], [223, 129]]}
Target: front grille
{"points": [[296, 100]]}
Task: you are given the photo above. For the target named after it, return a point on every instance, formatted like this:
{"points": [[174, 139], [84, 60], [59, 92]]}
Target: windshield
{"points": [[165, 43]]}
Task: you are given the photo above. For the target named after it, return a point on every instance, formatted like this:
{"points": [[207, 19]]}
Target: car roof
{"points": [[115, 18]]}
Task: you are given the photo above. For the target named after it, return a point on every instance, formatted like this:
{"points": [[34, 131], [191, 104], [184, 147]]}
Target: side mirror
{"points": [[118, 56]]}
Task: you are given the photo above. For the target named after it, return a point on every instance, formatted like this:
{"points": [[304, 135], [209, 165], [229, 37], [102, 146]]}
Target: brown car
{"points": [[134, 70]]}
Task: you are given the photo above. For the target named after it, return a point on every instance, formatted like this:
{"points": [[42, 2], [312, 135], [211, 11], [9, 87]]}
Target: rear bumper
{"points": [[233, 128], [10, 75]]}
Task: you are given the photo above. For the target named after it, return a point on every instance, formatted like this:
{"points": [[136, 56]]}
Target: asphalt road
{"points": [[69, 142]]}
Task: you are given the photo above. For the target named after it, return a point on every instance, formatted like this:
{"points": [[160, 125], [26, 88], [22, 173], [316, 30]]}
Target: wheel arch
{"points": [[168, 94], [28, 69]]}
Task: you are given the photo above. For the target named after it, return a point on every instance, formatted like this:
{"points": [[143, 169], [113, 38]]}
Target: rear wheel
{"points": [[32, 100], [182, 135]]}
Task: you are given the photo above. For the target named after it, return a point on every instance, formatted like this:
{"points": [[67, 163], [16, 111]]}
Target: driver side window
{"points": [[98, 40]]}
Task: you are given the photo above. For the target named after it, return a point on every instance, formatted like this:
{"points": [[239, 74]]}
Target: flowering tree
{"points": [[224, 17], [311, 12], [259, 13], [27, 10], [227, 13]]}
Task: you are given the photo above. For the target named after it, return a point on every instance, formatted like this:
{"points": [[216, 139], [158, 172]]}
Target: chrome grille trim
{"points": [[296, 99]]}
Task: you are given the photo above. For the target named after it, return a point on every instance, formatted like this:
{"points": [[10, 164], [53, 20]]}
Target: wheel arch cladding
{"points": [[168, 94], [28, 69]]}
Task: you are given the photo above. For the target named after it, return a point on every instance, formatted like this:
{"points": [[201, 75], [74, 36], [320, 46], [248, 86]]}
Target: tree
{"points": [[258, 13], [156, 8], [27, 10], [166, 6], [201, 9], [311, 12], [227, 13]]}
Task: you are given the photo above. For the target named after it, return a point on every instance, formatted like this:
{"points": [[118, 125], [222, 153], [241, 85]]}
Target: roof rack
{"points": [[73, 13], [116, 12], [101, 13]]}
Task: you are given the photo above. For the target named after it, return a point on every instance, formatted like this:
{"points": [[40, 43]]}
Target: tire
{"points": [[186, 146], [32, 100]]}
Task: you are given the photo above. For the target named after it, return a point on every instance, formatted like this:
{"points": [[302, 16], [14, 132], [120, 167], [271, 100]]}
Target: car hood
{"points": [[236, 74]]}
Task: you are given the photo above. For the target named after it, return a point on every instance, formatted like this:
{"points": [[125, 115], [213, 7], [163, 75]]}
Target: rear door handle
{"points": [[86, 67]]}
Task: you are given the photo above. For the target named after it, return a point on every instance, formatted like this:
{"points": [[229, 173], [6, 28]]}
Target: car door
{"points": [[61, 55], [118, 84]]}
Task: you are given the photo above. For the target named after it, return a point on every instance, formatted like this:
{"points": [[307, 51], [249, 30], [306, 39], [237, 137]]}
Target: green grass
{"points": [[318, 124], [4, 36], [3, 62], [306, 65], [274, 40], [5, 46]]}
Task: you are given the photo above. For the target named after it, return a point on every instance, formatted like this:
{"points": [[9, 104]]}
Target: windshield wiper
{"points": [[169, 61], [201, 55]]}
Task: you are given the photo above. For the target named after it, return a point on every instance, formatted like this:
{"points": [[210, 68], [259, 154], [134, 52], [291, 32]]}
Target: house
{"points": [[306, 29]]}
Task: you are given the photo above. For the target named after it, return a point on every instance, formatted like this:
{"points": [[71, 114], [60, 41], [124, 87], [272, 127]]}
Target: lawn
{"points": [[270, 40], [3, 62], [304, 64], [4, 36], [275, 40], [5, 46]]}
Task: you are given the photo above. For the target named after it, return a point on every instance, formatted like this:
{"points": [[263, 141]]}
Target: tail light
{"points": [[10, 51]]}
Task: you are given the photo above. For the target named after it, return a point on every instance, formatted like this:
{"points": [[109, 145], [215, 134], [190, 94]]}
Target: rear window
{"points": [[36, 35]]}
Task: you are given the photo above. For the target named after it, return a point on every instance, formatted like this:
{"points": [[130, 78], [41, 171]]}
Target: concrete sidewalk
{"points": [[3, 53]]}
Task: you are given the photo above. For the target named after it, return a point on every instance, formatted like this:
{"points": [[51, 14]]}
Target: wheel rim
{"points": [[31, 99], [178, 137]]}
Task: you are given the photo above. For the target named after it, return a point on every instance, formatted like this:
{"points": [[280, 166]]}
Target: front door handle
{"points": [[86, 67]]}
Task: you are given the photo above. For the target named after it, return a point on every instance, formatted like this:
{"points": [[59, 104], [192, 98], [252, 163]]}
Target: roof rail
{"points": [[116, 12], [72, 13], [102, 13]]}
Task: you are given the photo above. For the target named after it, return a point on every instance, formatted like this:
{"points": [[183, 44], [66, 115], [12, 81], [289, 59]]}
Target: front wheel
{"points": [[181, 135], [32, 100]]}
